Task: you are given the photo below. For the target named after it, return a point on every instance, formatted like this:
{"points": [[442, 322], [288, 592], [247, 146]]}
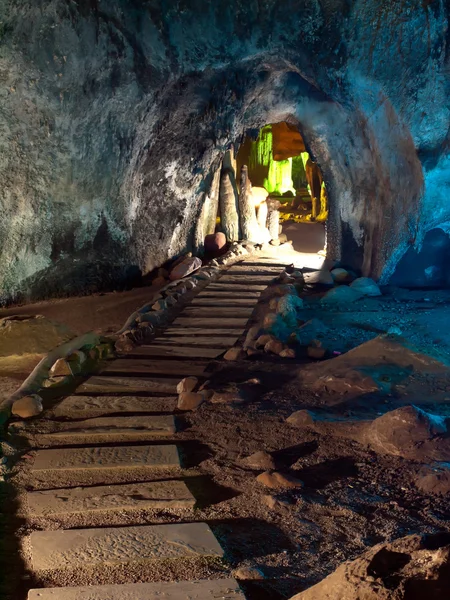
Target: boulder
{"points": [[415, 567], [159, 305], [342, 276], [341, 295], [274, 347], [260, 460], [301, 418], [28, 406], [190, 400], [366, 286], [278, 480], [214, 242], [287, 353], [251, 337], [188, 384], [434, 479], [412, 433], [61, 368], [31, 334], [289, 304], [263, 340], [248, 574], [185, 268]]}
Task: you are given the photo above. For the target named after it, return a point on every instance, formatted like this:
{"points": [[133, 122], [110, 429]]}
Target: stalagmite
{"points": [[273, 218], [247, 213], [229, 205], [261, 214], [206, 223]]}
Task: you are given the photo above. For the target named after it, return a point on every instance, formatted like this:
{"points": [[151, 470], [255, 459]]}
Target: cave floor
{"points": [[276, 542]]}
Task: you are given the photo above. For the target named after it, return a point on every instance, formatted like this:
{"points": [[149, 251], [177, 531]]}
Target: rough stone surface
{"points": [[225, 589], [188, 384], [136, 496], [30, 334], [342, 276], [28, 406], [341, 295], [434, 479], [260, 460], [61, 368], [215, 242], [190, 400], [185, 268], [301, 418], [274, 347], [234, 354], [80, 547], [408, 568]]}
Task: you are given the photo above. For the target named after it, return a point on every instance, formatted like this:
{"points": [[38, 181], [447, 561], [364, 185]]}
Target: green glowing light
{"points": [[279, 172]]}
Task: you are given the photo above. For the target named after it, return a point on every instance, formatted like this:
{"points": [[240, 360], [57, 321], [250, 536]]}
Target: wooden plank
{"points": [[157, 367], [106, 457], [223, 589], [236, 286], [214, 342], [84, 500], [207, 293], [110, 385], [226, 321], [96, 406], [102, 429], [248, 278], [222, 311], [219, 302], [178, 351], [77, 548], [203, 331]]}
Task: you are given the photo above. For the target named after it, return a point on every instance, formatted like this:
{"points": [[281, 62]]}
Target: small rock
{"points": [[322, 277], [160, 305], [366, 286], [301, 418], [394, 330], [279, 480], [342, 276], [282, 238], [61, 368], [185, 268], [28, 406], [188, 384], [274, 303], [226, 397], [190, 400], [276, 242], [283, 289], [287, 353], [159, 282], [124, 344], [235, 353], [269, 320], [215, 242], [315, 350], [251, 337], [190, 284], [248, 574], [434, 480], [260, 460], [289, 304], [274, 346], [341, 295], [76, 361], [171, 300], [53, 382], [263, 340]]}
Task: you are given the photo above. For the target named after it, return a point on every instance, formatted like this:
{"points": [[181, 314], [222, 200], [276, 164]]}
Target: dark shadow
{"points": [[276, 589], [207, 493], [248, 538], [319, 476], [386, 564], [289, 456], [193, 453]]}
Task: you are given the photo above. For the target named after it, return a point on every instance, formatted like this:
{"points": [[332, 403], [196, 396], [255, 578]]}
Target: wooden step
{"points": [[225, 322], [212, 311], [219, 302], [202, 332], [142, 366], [218, 589], [114, 385], [207, 293], [107, 498], [197, 340], [97, 406], [106, 457], [78, 548], [236, 286], [178, 351], [101, 429]]}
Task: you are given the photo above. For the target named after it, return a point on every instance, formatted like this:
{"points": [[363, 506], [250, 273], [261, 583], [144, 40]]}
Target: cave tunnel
{"points": [[224, 299]]}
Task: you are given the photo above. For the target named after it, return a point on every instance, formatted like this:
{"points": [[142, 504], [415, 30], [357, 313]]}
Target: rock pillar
{"points": [[247, 213], [273, 218]]}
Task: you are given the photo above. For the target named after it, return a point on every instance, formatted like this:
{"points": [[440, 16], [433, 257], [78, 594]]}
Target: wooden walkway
{"points": [[111, 447]]}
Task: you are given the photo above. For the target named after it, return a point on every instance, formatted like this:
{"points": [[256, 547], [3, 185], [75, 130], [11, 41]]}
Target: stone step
{"points": [[106, 457], [101, 429], [225, 322], [210, 341], [218, 589], [77, 548], [112, 385], [157, 367], [96, 406], [137, 496], [219, 302], [178, 351]]}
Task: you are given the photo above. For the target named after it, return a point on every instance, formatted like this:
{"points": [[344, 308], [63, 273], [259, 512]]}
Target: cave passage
{"points": [[280, 166]]}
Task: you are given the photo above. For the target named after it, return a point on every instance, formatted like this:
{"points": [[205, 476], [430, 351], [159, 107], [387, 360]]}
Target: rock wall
{"points": [[115, 114]]}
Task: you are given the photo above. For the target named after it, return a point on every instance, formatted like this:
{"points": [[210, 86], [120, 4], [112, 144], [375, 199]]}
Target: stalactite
{"points": [[247, 214], [229, 205]]}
